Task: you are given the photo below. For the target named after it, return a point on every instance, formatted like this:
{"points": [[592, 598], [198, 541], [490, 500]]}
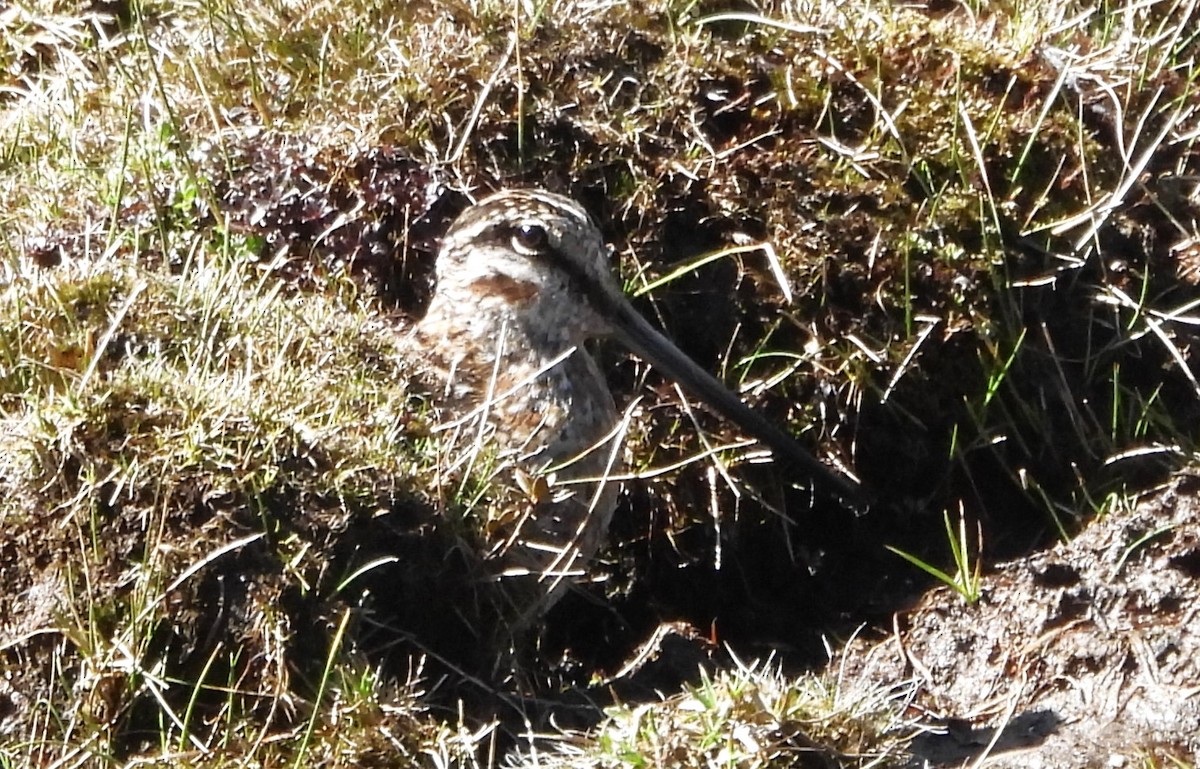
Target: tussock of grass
{"points": [[214, 371], [749, 716], [153, 423]]}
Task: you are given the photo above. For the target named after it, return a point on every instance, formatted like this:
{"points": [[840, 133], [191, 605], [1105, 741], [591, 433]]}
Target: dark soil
{"points": [[1084, 655]]}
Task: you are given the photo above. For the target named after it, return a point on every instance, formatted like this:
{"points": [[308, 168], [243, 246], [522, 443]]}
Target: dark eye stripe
{"points": [[532, 240]]}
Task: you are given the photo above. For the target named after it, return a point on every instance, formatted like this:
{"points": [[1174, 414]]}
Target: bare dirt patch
{"points": [[1086, 654]]}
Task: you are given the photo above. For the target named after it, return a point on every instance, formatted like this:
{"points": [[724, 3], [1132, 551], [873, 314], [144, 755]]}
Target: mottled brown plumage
{"points": [[523, 280], [504, 339]]}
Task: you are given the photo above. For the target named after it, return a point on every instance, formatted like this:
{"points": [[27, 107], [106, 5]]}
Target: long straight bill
{"points": [[632, 330]]}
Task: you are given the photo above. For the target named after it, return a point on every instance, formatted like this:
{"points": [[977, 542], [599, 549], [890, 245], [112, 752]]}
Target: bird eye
{"points": [[530, 239]]}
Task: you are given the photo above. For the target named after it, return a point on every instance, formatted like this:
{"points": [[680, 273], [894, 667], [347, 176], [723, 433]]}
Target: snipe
{"points": [[523, 280]]}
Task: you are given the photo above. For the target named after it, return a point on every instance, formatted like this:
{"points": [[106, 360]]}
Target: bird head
{"points": [[535, 256]]}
